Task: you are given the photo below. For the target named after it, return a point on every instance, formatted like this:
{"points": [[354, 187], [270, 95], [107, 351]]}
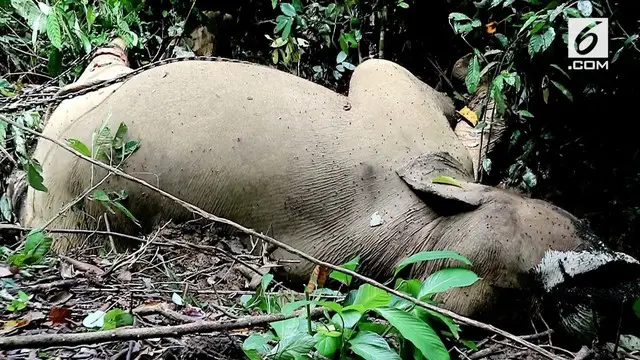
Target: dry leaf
{"points": [[124, 275], [87, 268], [67, 271], [491, 27], [59, 315], [11, 325], [5, 272], [469, 115], [318, 278]]}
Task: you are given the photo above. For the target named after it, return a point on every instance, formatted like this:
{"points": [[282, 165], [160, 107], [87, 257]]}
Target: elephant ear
{"points": [[442, 178]]}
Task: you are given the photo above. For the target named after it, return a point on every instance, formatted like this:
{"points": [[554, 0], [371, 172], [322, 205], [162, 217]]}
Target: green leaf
{"points": [[348, 318], [541, 42], [445, 279], [527, 23], [403, 5], [371, 346], [421, 335], [327, 346], [342, 277], [53, 29], [636, 307], [486, 165], [34, 176], [525, 113], [446, 180], [451, 325], [563, 89], [256, 345], [456, 16], [296, 344], [100, 195], [529, 178], [118, 139], [473, 73], [116, 318], [369, 297], [288, 9], [5, 207], [430, 255], [287, 28], [502, 39], [79, 146], [342, 56], [126, 212]]}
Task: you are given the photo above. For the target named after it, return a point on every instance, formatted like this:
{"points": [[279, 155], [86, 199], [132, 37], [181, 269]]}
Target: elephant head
{"points": [[526, 249]]}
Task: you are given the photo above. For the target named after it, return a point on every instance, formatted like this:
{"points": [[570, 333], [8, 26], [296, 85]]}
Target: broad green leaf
{"points": [[284, 328], [54, 32], [411, 286], [288, 9], [342, 277], [403, 4], [116, 318], [327, 346], [430, 255], [447, 180], [502, 39], [473, 73], [79, 146], [563, 89], [417, 332], [445, 279], [458, 16], [100, 195], [256, 344], [369, 297], [371, 346], [527, 23], [34, 176], [347, 319], [453, 327], [287, 28], [295, 344]]}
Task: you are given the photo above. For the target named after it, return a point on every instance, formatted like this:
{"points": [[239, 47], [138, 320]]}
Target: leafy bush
{"points": [[370, 323]]}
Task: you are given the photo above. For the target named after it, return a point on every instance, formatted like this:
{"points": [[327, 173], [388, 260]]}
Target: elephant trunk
{"points": [[590, 293]]}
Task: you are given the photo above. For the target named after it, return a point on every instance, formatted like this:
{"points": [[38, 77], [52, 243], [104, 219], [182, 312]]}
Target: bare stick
{"points": [[290, 249], [129, 333]]}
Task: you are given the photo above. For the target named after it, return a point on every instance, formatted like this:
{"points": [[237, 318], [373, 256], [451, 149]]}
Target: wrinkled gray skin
{"points": [[310, 167]]}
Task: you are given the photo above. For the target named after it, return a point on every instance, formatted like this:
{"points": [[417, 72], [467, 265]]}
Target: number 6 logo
{"points": [[588, 38]]}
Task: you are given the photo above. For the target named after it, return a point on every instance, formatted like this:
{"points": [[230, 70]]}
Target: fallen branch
{"points": [[129, 333], [290, 249]]}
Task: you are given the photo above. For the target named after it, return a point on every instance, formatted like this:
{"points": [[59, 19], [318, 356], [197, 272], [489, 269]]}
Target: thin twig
{"points": [[291, 249], [129, 333]]}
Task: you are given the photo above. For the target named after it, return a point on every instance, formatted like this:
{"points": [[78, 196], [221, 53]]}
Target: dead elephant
{"points": [[283, 155]]}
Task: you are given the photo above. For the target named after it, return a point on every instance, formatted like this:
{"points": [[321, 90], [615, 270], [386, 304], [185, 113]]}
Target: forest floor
{"points": [[180, 283]]}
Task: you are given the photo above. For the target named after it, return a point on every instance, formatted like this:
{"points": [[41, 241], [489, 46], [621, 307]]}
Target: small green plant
{"points": [[36, 246], [111, 149], [362, 324], [20, 303]]}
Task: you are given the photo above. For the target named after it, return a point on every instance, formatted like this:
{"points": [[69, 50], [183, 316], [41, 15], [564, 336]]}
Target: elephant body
{"points": [[310, 167]]}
